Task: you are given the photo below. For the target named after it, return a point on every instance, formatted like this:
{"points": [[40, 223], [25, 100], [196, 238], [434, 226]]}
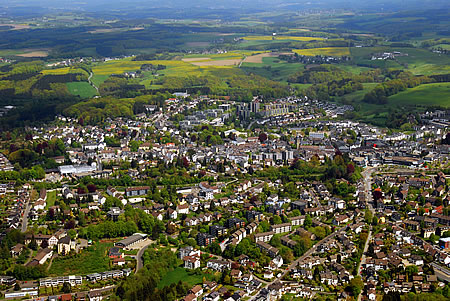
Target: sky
{"points": [[244, 5]]}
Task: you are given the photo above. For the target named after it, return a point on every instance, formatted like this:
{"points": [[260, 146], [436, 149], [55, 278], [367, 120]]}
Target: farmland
{"points": [[330, 51], [436, 94], [274, 38], [82, 89]]}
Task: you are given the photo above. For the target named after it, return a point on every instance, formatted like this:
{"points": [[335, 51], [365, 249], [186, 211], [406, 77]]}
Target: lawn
{"points": [[92, 260], [423, 95], [180, 274], [183, 275], [330, 51], [82, 89], [51, 198]]}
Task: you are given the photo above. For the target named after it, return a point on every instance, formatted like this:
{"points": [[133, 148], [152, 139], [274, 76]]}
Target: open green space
{"points": [[180, 274], [92, 260], [273, 68], [436, 94], [82, 89], [51, 198]]}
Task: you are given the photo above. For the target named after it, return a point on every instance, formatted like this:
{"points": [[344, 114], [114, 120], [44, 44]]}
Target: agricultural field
{"points": [[330, 51], [82, 89], [92, 260], [274, 38], [436, 94], [272, 68], [62, 71]]}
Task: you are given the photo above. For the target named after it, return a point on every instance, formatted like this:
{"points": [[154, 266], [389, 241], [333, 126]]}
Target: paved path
{"points": [[140, 263], [92, 84], [25, 217]]}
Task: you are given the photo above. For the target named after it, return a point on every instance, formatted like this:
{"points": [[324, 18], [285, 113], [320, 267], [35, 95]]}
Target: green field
{"points": [[424, 95], [273, 68], [92, 260], [417, 61], [51, 198], [82, 89], [180, 274]]}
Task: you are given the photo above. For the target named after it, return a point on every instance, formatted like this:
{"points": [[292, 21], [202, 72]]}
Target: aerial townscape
{"points": [[242, 151]]}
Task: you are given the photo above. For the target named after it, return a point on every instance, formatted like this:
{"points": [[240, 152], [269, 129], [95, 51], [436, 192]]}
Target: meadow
{"points": [[82, 89], [291, 38], [92, 260], [181, 274], [327, 51], [273, 68], [51, 198], [436, 94]]}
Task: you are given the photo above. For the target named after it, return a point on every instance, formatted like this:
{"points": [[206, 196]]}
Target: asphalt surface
{"points": [[25, 217]]}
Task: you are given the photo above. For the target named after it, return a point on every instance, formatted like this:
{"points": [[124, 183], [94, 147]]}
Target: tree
{"points": [[308, 221], [33, 244], [66, 288], [262, 137], [44, 244], [368, 216], [215, 248], [276, 219], [17, 287], [355, 286]]}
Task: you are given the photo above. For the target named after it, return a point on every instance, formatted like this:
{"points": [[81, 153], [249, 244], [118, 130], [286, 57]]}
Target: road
{"points": [[139, 262], [441, 272], [25, 217], [90, 82], [367, 175], [296, 262]]}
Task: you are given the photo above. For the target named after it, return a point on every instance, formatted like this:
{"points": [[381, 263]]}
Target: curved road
{"points": [[139, 262]]}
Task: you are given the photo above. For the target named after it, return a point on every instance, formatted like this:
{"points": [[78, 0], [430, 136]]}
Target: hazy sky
{"points": [[257, 5]]}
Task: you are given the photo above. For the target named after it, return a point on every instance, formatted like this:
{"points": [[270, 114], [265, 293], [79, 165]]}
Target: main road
{"points": [[367, 176]]}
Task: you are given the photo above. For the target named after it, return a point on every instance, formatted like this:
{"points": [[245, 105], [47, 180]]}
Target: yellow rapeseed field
{"points": [[331, 51], [268, 38]]}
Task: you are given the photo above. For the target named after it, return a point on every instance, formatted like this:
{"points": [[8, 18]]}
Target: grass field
{"points": [[183, 275], [82, 89], [423, 95], [273, 68], [292, 38], [417, 61], [51, 198], [330, 51], [92, 260]]}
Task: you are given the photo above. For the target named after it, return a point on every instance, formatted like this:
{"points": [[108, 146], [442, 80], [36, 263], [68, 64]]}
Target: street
{"points": [[25, 217], [139, 261], [367, 175]]}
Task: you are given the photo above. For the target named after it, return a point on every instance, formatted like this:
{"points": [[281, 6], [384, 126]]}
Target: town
{"points": [[241, 201]]}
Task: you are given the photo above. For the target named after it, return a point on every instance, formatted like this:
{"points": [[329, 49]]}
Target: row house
{"points": [[219, 265], [281, 228], [271, 251], [264, 237]]}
